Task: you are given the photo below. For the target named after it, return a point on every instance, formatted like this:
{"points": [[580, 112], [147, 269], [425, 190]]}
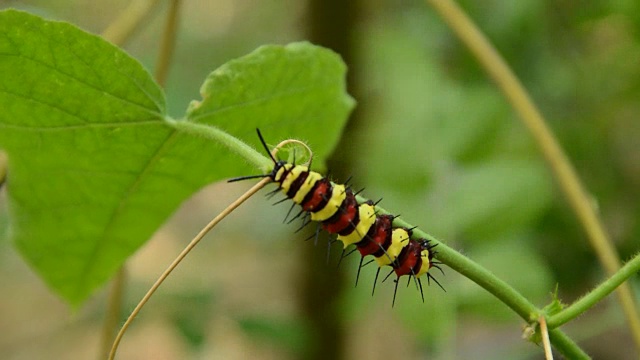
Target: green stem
{"points": [[232, 143], [583, 304], [566, 346], [498, 288], [474, 272]]}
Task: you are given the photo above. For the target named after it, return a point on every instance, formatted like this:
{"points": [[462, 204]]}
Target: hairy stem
{"points": [[558, 162], [630, 269], [221, 137], [566, 346]]}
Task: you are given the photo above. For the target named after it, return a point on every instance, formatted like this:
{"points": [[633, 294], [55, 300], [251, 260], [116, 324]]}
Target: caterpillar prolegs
{"points": [[335, 207]]}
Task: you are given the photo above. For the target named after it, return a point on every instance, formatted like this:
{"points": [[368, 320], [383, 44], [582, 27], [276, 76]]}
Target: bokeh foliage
{"points": [[442, 147]]}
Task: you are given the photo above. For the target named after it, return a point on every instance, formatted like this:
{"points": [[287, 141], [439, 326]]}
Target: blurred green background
{"points": [[432, 135]]}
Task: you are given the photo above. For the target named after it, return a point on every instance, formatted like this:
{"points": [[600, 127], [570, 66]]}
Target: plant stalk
{"points": [[223, 138], [630, 269], [494, 285], [566, 346]]}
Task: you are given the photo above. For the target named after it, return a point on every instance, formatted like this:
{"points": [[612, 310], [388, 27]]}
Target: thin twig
{"points": [[182, 255], [195, 242], [544, 333], [560, 166]]}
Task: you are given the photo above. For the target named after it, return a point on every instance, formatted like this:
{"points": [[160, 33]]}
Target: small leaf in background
{"points": [[490, 198], [93, 169]]}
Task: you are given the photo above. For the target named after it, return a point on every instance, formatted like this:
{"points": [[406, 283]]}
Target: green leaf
{"points": [[81, 121], [93, 167], [292, 91]]}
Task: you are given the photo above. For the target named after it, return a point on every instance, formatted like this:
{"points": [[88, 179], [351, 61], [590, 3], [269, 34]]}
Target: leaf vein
{"points": [[89, 265], [251, 102], [79, 80]]}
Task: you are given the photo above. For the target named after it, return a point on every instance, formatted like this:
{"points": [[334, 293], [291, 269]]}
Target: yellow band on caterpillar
{"points": [[367, 216], [294, 173], [337, 197], [425, 263], [311, 180], [399, 239]]}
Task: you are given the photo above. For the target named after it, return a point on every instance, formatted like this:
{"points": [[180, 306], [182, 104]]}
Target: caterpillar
{"points": [[335, 207]]}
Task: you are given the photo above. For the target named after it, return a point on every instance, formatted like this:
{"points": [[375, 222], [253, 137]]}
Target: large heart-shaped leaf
{"points": [[93, 167]]}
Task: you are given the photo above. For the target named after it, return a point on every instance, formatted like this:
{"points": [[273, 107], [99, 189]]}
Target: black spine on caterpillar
{"points": [[336, 208]]}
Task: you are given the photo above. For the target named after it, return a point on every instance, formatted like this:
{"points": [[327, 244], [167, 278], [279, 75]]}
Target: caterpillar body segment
{"points": [[357, 230], [336, 208]]}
